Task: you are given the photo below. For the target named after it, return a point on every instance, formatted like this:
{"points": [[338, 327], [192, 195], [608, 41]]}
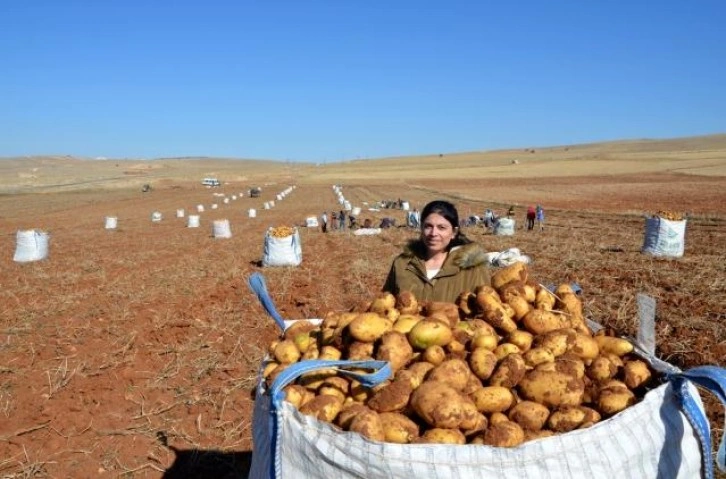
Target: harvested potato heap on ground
{"points": [[281, 231], [509, 362]]}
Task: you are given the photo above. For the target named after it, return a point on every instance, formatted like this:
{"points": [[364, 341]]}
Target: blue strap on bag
{"points": [[713, 379], [257, 284]]}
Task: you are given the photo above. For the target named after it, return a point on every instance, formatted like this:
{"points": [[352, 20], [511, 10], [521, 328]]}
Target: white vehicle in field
{"points": [[211, 182]]}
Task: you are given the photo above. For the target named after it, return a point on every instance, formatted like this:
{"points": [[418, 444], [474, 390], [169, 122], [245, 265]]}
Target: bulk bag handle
{"points": [[713, 379], [257, 284]]}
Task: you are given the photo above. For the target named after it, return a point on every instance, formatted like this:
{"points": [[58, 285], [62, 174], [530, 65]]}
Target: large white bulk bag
{"points": [[221, 229], [311, 222], [285, 251], [355, 211], [666, 435], [664, 237], [405, 206], [504, 227], [111, 222], [30, 245], [193, 221]]}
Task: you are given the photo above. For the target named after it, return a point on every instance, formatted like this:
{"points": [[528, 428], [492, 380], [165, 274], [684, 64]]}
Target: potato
{"points": [[472, 385], [392, 397], [636, 373], [572, 366], [482, 363], [314, 379], [601, 368], [530, 292], [584, 346], [323, 408], [612, 400], [466, 304], [406, 322], [516, 272], [494, 312], [368, 327], [504, 434], [358, 351], [394, 348], [429, 333], [441, 436], [453, 372], [552, 388], [541, 434], [522, 339], [505, 349], [566, 418], [483, 339], [434, 355], [336, 386], [538, 355], [539, 321], [455, 349], [298, 327], [498, 418], [348, 413], [407, 303], [591, 417], [269, 367], [275, 372], [509, 372], [398, 428], [368, 424], [383, 302], [440, 405], [519, 305], [449, 310], [529, 415], [286, 352], [418, 372], [303, 341], [491, 399], [297, 395], [617, 346], [557, 341], [330, 353], [358, 392], [544, 299], [312, 352]]}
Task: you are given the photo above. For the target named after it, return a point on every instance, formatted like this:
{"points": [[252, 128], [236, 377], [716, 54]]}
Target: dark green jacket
{"points": [[465, 268]]}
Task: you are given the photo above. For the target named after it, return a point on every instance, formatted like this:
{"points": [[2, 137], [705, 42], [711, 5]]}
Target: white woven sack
{"points": [[664, 237], [285, 251], [30, 245], [504, 227], [652, 439]]}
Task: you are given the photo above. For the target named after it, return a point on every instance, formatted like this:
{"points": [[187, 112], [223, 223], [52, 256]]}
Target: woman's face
{"points": [[437, 233]]}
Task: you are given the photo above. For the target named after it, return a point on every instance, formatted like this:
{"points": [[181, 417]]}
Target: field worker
{"points": [[531, 215], [333, 221], [341, 220], [540, 217], [442, 262], [324, 222]]}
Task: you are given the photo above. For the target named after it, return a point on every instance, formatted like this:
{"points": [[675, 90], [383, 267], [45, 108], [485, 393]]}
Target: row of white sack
{"points": [[666, 435]]}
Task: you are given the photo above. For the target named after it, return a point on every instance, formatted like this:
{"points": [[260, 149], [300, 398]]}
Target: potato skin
{"points": [[509, 372], [566, 418], [323, 408], [368, 423], [398, 428], [429, 333], [503, 434], [539, 321], [441, 406], [453, 372], [490, 399], [617, 346], [395, 348], [636, 373], [441, 436], [529, 415], [367, 327], [552, 388]]}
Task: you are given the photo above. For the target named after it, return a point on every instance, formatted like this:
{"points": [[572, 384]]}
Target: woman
{"points": [[442, 263]]}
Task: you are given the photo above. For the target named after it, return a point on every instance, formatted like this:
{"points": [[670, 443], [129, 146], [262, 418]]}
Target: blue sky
{"points": [[334, 80]]}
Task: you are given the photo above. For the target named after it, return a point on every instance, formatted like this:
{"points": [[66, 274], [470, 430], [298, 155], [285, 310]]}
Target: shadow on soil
{"points": [[207, 463]]}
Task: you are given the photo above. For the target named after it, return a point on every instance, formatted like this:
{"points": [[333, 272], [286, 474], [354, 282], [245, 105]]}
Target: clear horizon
{"points": [[326, 81]]}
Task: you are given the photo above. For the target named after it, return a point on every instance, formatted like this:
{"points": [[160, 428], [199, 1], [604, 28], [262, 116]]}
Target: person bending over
{"points": [[442, 262]]}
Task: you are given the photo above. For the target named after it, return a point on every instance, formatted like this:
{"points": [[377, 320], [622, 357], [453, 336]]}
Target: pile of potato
{"points": [[281, 231], [507, 363], [670, 215]]}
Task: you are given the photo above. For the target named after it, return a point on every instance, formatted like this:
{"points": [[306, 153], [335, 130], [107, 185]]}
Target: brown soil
{"points": [[125, 338]]}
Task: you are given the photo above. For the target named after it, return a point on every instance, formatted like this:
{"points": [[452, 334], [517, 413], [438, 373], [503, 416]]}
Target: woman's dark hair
{"points": [[448, 211]]}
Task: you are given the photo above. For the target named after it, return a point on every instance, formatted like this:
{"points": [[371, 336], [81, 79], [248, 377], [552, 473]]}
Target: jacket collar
{"points": [[465, 256]]}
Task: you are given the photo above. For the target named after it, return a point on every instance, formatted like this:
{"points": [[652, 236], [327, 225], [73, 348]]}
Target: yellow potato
{"points": [[398, 428], [557, 341], [368, 424], [494, 312], [466, 304], [406, 322], [538, 355], [296, 394], [330, 353], [522, 339], [429, 333], [298, 327], [368, 327], [442, 406], [483, 339], [323, 408], [612, 400], [358, 351], [348, 413], [491, 399], [449, 310], [504, 434], [394, 348], [453, 372], [434, 355], [418, 372], [539, 321], [601, 368], [516, 272], [566, 419], [584, 346], [482, 363], [286, 352], [617, 346], [382, 303], [509, 372], [544, 299], [407, 303], [529, 415], [505, 349], [552, 388], [636, 373], [441, 436], [392, 397]]}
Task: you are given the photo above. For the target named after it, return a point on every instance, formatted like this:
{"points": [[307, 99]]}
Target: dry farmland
{"points": [[133, 352]]}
